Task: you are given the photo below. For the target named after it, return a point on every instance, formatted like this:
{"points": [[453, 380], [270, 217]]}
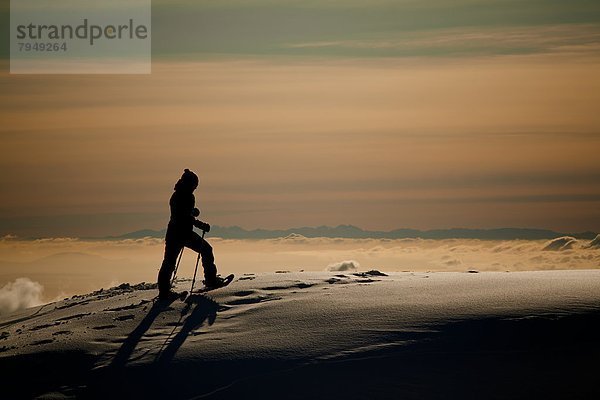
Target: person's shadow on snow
{"points": [[133, 339], [204, 310]]}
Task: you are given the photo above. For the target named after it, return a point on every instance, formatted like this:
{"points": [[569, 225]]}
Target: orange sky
{"points": [[280, 142]]}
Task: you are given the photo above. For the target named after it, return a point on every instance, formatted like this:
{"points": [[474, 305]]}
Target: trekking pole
{"points": [[177, 266], [196, 269]]}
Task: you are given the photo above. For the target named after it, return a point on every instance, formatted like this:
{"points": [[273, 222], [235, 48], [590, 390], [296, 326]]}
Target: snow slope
{"points": [[316, 335]]}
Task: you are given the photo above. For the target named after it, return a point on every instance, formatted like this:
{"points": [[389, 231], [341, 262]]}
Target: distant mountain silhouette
{"points": [[353, 232]]}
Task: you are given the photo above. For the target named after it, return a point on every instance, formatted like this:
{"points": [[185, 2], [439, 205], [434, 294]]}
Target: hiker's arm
{"points": [[202, 225]]}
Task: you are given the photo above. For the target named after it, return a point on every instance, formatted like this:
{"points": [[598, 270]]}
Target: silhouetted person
{"points": [[180, 233]]}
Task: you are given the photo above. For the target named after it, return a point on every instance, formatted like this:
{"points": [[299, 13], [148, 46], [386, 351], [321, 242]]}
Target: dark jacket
{"points": [[182, 221]]}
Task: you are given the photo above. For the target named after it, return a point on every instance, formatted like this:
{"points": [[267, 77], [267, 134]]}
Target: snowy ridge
{"points": [[293, 335]]}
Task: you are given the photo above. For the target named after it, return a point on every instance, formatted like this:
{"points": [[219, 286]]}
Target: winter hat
{"points": [[188, 180]]}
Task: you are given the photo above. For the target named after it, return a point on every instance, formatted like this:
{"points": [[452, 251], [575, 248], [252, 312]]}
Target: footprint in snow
{"points": [[75, 303], [124, 317], [103, 327], [244, 293], [43, 341], [294, 286], [62, 333], [252, 300], [44, 326], [73, 316], [129, 307], [372, 272]]}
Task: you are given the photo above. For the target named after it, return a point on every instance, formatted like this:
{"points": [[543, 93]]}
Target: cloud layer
{"points": [[69, 266]]}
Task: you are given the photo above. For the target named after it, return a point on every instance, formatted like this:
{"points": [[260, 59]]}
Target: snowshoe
{"points": [[217, 283]]}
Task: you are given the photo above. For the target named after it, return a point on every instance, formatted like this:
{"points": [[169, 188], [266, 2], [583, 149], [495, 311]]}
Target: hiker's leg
{"points": [[172, 249], [201, 246]]}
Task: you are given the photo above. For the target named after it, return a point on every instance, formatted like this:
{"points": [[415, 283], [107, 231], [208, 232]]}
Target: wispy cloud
{"points": [[343, 28], [461, 41]]}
